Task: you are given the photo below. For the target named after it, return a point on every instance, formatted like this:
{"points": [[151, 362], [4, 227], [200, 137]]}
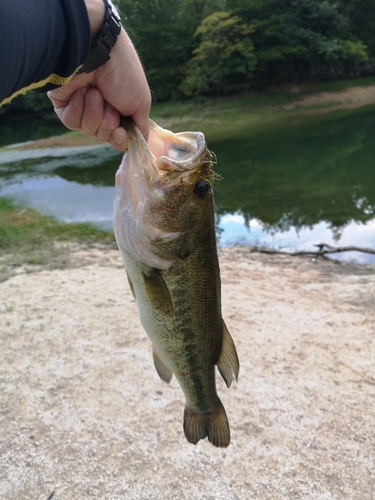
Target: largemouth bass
{"points": [[165, 230]]}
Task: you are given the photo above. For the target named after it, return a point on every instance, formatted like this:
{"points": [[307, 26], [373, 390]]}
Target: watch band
{"points": [[104, 41]]}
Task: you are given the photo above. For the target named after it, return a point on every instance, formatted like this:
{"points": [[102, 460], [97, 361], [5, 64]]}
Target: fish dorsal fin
{"points": [[228, 363], [163, 371], [131, 285], [157, 292]]}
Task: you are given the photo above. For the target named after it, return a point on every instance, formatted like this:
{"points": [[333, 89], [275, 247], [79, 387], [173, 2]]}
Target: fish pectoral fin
{"points": [[228, 363], [163, 371], [131, 285], [158, 293], [213, 425]]}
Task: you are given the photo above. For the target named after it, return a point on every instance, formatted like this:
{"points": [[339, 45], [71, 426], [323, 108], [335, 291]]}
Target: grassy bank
{"points": [[216, 117], [220, 116], [28, 238]]}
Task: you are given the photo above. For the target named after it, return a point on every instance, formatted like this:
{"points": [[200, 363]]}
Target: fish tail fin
{"points": [[213, 425]]}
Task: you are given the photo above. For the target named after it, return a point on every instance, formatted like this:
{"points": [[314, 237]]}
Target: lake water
{"points": [[289, 184]]}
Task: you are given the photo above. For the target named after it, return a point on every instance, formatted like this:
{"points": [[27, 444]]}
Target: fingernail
{"points": [[95, 100], [118, 139]]}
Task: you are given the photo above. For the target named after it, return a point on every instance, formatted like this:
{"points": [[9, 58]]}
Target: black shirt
{"points": [[42, 42]]}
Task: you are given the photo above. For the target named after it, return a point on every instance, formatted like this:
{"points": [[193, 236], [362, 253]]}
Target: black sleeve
{"points": [[42, 41]]}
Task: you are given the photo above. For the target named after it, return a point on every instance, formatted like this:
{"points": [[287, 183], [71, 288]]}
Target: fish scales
{"points": [[175, 278], [181, 340]]}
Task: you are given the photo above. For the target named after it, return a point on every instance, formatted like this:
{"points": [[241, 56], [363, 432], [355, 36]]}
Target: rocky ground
{"points": [[83, 414]]}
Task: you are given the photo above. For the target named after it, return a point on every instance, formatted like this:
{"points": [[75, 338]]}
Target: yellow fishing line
{"points": [[53, 79]]}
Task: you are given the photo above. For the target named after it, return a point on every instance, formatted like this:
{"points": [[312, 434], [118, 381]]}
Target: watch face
{"points": [[112, 23], [114, 10]]}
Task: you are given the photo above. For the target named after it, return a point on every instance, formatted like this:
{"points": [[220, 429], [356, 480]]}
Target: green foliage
{"points": [[301, 39], [361, 22], [224, 60], [162, 32], [353, 52]]}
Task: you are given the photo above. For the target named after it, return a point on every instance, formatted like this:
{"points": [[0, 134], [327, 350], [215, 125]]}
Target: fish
{"points": [[164, 224]]}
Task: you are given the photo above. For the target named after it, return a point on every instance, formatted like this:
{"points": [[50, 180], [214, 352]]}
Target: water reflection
{"points": [[66, 200], [87, 165], [291, 184], [30, 130], [72, 184], [235, 229], [300, 171]]}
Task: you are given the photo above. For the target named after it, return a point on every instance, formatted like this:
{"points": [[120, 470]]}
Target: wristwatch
{"points": [[104, 40]]}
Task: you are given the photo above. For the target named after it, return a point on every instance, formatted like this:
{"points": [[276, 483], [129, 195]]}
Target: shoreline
{"points": [[70, 255], [320, 102]]}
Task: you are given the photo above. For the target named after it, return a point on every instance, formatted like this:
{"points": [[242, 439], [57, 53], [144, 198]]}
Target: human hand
{"points": [[92, 103]]}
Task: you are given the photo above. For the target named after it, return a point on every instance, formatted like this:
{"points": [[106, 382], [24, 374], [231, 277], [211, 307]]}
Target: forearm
{"points": [[95, 10]]}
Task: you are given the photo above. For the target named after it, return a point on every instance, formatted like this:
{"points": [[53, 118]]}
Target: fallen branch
{"points": [[331, 249], [324, 250]]}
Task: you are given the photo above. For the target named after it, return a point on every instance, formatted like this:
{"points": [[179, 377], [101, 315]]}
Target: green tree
{"points": [[224, 60], [299, 39], [361, 22], [162, 31]]}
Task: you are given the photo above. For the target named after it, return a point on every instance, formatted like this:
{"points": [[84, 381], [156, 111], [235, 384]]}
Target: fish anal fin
{"points": [[158, 293], [213, 425], [163, 371], [228, 363], [131, 285]]}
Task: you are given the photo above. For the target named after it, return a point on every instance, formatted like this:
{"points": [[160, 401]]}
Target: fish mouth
{"points": [[168, 157], [176, 156]]}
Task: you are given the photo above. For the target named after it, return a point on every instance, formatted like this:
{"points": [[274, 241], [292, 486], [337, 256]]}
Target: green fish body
{"points": [[165, 229]]}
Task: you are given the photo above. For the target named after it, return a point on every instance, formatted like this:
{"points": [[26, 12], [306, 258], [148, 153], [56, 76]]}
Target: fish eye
{"points": [[201, 189]]}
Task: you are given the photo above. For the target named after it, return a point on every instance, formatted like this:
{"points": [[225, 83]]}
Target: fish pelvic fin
{"points": [[213, 425], [163, 371], [228, 363], [131, 285], [157, 292]]}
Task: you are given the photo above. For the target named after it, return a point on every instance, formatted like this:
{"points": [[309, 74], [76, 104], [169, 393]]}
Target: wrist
{"points": [[104, 38]]}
